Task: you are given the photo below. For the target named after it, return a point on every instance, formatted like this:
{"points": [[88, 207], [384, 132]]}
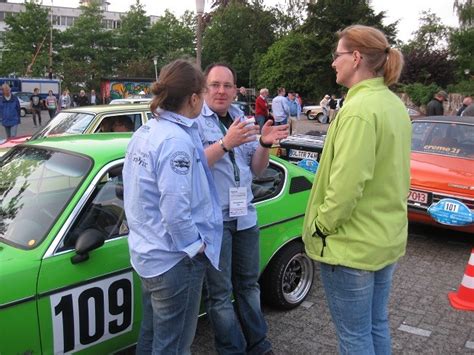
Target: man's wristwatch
{"points": [[264, 145], [221, 142]]}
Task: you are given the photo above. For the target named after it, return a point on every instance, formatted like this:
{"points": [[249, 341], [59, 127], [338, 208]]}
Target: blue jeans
{"points": [[171, 308], [239, 264], [11, 131], [260, 121], [281, 123], [358, 302]]}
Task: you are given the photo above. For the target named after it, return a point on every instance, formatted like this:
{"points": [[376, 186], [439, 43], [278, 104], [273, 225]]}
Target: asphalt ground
{"points": [[422, 320]]}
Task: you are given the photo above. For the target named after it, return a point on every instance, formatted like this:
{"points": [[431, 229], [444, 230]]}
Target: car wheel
{"points": [[310, 116], [22, 112], [288, 279]]}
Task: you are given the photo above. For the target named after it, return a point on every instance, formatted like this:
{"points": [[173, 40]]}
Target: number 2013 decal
{"points": [[90, 314]]}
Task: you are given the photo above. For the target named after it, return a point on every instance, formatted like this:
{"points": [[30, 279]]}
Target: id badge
{"points": [[237, 201]]}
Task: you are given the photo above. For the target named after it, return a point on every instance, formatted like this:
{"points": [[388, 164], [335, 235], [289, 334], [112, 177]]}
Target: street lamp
{"points": [[199, 11], [155, 62]]}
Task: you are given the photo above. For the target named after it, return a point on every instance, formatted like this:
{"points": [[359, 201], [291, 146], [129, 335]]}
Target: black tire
{"points": [[288, 278], [22, 112], [310, 116]]}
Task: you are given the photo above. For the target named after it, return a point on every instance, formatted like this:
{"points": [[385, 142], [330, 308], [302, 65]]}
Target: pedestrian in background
{"points": [[65, 100], [93, 98], [435, 106], [465, 103], [10, 112], [324, 103], [82, 99], [261, 108], [36, 106], [280, 108], [235, 156], [172, 210], [356, 220], [51, 104], [294, 111], [332, 104]]}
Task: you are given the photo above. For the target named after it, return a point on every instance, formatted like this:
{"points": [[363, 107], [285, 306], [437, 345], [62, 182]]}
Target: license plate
{"points": [[303, 154], [418, 197]]}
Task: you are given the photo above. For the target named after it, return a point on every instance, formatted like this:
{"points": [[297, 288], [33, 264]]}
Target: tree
{"points": [[291, 63], [325, 18], [239, 34], [428, 67], [26, 41], [172, 38], [133, 38], [465, 12], [431, 34], [88, 53]]}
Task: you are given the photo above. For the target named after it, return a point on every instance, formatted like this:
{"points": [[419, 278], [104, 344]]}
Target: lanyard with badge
{"points": [[237, 194]]}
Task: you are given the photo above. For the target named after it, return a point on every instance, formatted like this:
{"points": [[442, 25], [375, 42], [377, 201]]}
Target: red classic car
{"points": [[442, 165]]}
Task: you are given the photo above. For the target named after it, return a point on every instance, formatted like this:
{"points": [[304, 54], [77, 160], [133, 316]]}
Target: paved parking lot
{"points": [[421, 317]]}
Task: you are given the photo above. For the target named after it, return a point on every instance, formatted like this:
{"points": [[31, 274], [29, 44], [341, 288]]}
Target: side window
{"points": [[269, 184], [103, 211], [120, 123]]}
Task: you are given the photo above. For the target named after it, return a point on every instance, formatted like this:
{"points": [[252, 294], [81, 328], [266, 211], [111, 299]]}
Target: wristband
{"points": [[264, 145], [221, 142]]}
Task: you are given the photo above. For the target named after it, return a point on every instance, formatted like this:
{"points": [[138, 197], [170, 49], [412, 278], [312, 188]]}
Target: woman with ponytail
{"points": [[173, 212], [356, 219]]}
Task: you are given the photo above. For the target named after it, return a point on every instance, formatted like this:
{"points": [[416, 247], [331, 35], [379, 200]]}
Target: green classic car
{"points": [[65, 275]]}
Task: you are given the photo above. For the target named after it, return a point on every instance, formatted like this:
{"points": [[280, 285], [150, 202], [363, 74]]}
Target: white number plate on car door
{"points": [[303, 154]]}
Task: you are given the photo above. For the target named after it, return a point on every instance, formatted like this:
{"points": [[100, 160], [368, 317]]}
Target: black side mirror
{"points": [[87, 241]]}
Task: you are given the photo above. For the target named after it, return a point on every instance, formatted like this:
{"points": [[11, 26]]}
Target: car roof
{"points": [[102, 147], [447, 119], [95, 109]]}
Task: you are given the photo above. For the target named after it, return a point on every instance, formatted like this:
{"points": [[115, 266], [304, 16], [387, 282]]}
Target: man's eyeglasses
{"points": [[336, 55], [217, 86]]}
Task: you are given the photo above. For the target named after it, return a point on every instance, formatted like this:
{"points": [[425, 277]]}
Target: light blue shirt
{"points": [[170, 198], [280, 108], [294, 107], [223, 169]]}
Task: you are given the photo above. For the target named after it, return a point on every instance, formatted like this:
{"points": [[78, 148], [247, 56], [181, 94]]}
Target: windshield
{"points": [[66, 123], [35, 186], [444, 138]]}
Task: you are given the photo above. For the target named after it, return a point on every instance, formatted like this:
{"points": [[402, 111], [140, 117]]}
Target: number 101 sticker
{"points": [[90, 314]]}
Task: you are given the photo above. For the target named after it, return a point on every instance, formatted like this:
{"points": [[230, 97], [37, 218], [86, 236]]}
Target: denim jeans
{"points": [[285, 121], [358, 302], [260, 121], [11, 131], [245, 332], [171, 308], [36, 112]]}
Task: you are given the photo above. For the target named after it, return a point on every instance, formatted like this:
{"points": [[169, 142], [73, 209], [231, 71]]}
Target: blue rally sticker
{"points": [[451, 212], [180, 163], [309, 164]]}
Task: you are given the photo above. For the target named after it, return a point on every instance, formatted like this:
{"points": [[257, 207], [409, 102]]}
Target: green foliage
{"points": [[171, 38], [87, 54], [290, 62], [462, 49], [419, 93], [431, 35], [237, 34], [27, 34], [465, 11], [465, 87]]}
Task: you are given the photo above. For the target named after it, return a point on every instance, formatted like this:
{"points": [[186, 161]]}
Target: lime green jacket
{"points": [[359, 197]]}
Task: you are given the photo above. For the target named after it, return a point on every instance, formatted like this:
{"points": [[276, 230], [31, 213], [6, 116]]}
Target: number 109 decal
{"points": [[90, 314]]}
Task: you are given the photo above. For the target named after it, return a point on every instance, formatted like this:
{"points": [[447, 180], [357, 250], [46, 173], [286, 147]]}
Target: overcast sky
{"points": [[407, 11]]}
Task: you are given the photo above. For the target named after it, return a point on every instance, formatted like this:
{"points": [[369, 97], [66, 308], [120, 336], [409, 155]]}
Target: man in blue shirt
{"points": [[234, 154], [280, 107], [294, 109]]}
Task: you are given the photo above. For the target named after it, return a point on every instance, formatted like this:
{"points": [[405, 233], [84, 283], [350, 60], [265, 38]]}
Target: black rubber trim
{"points": [[265, 226]]}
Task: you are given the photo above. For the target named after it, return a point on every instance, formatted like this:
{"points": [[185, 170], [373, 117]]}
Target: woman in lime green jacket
{"points": [[356, 219]]}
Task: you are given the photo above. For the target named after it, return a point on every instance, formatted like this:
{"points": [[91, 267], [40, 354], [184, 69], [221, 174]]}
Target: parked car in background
{"points": [[414, 113], [313, 112], [86, 119], [24, 107], [68, 283], [131, 100], [442, 165]]}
